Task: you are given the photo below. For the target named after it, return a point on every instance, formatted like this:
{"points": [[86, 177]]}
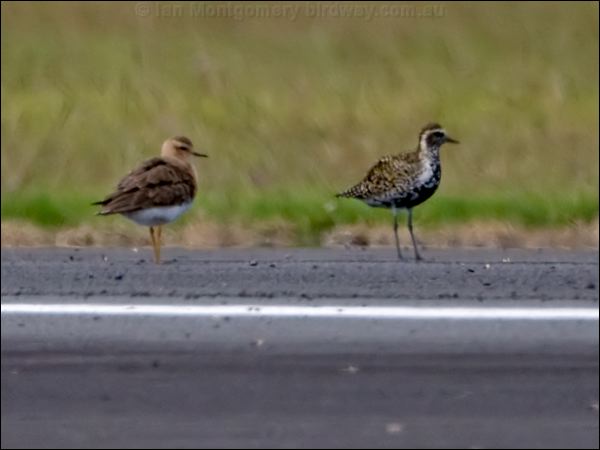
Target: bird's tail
{"points": [[353, 192], [103, 211]]}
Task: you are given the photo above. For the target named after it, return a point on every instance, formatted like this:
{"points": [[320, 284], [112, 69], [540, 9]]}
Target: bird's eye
{"points": [[182, 147], [439, 134]]}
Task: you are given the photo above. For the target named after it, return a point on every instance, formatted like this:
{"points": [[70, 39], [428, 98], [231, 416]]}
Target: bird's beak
{"points": [[452, 141], [200, 155]]}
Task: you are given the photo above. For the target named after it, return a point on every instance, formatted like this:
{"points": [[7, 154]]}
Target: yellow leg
{"points": [[158, 242], [154, 235]]}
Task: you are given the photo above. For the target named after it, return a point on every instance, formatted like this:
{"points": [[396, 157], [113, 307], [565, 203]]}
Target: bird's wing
{"points": [[155, 183], [385, 179]]}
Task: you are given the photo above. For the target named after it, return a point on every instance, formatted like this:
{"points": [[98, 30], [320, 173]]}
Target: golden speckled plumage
{"points": [[404, 180], [388, 179]]}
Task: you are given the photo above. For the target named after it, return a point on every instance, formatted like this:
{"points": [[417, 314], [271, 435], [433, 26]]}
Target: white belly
{"points": [[159, 215]]}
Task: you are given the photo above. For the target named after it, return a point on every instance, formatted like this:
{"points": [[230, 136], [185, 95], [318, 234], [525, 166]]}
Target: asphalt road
{"points": [[303, 274], [299, 349]]}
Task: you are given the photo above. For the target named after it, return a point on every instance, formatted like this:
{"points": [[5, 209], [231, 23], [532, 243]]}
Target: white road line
{"points": [[284, 311]]}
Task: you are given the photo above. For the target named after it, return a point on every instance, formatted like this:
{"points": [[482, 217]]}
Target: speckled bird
{"points": [[406, 180], [158, 191]]}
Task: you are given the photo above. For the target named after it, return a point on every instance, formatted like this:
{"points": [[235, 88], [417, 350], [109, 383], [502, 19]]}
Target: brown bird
{"points": [[158, 191], [406, 180]]}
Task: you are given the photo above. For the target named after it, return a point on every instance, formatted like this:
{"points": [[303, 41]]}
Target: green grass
{"points": [[293, 111], [313, 213]]}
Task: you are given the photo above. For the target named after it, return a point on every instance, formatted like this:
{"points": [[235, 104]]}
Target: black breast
{"points": [[418, 193]]}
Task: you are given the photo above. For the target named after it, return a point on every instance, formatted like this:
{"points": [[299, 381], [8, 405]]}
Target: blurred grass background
{"points": [[292, 111]]}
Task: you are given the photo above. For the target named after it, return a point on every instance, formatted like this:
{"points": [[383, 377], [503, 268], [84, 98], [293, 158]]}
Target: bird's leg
{"points": [[395, 213], [410, 228], [154, 237], [158, 241]]}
